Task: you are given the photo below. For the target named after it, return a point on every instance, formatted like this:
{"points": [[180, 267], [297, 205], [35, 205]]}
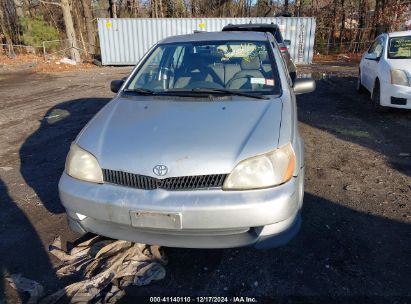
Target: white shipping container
{"points": [[123, 41]]}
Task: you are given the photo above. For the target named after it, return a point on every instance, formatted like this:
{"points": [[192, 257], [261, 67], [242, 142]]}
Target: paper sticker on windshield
{"points": [[269, 82], [262, 81], [258, 81], [401, 43]]}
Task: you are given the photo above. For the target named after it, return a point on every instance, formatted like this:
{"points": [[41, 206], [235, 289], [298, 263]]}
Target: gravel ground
{"points": [[354, 244]]}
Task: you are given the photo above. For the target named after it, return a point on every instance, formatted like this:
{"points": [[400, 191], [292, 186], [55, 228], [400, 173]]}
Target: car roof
{"points": [[251, 26], [399, 34], [216, 36]]}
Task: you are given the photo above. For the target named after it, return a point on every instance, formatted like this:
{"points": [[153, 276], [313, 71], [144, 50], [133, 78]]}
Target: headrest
{"points": [[193, 61], [250, 63], [264, 56]]}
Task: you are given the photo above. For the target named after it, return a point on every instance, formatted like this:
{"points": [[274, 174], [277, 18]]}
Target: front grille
{"points": [[171, 183]]}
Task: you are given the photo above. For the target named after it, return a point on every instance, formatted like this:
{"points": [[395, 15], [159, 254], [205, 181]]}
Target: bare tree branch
{"points": [[48, 2]]}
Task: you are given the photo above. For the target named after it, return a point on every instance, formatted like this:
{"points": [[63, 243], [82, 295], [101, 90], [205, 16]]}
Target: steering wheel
{"points": [[203, 84], [248, 77]]}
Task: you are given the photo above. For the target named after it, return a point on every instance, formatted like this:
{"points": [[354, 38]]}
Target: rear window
{"points": [[278, 37]]}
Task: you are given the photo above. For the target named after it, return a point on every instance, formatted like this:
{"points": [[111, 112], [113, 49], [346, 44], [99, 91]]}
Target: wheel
{"points": [[376, 95], [360, 88]]}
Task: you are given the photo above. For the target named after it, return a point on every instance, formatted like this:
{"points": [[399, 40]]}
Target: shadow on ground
{"points": [[337, 108], [43, 154], [339, 252], [42, 162], [22, 251]]}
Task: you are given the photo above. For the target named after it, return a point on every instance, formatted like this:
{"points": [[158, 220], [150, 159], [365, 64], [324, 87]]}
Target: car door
{"points": [[371, 59], [365, 65]]}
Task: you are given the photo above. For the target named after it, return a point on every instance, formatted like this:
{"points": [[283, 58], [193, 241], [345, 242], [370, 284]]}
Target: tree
{"points": [[297, 10], [36, 30], [68, 23], [89, 25], [113, 8], [3, 28], [18, 4]]}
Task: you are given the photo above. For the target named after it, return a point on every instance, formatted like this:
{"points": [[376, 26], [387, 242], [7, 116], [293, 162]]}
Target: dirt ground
{"points": [[355, 240]]}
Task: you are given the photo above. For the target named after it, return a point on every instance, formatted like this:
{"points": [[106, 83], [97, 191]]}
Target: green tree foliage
{"points": [[36, 30]]}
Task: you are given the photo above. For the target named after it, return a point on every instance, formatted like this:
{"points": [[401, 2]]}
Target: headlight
{"points": [[399, 77], [82, 165], [262, 171]]}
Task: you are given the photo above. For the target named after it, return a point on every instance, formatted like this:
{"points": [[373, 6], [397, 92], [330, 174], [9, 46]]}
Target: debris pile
{"points": [[66, 60], [57, 66], [105, 267], [34, 289]]}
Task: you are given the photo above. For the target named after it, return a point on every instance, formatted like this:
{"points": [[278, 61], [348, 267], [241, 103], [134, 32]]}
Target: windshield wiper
{"points": [[141, 91], [192, 92], [229, 92], [176, 92]]}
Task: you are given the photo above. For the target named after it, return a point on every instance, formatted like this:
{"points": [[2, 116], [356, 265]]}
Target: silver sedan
{"points": [[200, 148]]}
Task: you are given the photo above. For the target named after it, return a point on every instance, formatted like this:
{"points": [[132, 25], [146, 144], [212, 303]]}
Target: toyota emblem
{"points": [[160, 170]]}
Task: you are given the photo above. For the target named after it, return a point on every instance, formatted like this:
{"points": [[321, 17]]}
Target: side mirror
{"points": [[371, 56], [302, 86], [115, 85], [287, 42]]}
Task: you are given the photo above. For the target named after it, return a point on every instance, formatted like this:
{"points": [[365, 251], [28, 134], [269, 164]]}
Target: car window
{"points": [[399, 47], [377, 47], [244, 66], [178, 56], [152, 69], [372, 47], [278, 37]]}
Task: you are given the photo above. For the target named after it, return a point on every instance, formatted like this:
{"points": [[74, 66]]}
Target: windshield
{"points": [[237, 66], [399, 48]]}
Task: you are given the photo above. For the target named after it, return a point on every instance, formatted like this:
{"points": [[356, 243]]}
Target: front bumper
{"points": [[390, 93], [209, 218]]}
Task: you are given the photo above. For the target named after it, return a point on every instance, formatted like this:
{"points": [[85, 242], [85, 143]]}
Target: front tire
{"points": [[376, 97], [360, 87]]}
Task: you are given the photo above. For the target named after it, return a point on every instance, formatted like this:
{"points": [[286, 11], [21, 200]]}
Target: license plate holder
{"points": [[154, 219]]}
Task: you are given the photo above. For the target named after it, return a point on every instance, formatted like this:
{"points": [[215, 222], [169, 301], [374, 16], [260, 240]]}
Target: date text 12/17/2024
{"points": [[203, 299]]}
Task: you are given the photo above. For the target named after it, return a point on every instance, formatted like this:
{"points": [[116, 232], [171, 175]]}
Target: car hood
{"points": [[134, 134], [401, 64]]}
